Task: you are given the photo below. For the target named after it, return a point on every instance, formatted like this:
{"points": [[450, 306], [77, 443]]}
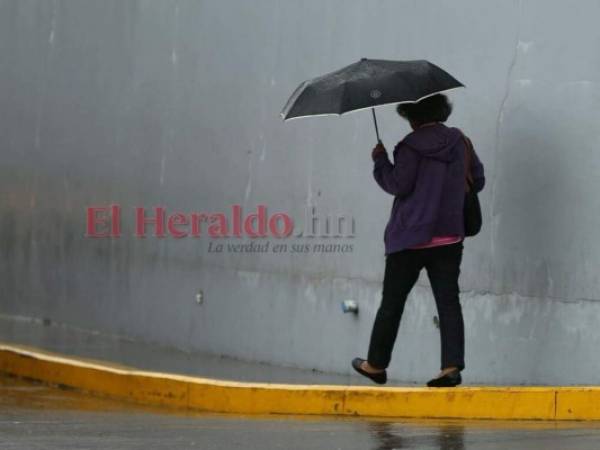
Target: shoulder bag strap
{"points": [[468, 159]]}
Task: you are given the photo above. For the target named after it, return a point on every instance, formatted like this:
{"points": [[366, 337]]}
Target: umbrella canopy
{"points": [[365, 84]]}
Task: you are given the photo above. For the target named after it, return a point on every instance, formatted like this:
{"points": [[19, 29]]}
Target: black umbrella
{"points": [[365, 84]]}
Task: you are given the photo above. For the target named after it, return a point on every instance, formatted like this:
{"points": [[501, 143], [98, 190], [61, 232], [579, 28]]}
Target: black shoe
{"points": [[379, 377], [451, 379]]}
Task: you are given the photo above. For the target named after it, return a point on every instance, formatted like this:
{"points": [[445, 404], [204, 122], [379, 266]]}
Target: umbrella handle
{"points": [[375, 123]]}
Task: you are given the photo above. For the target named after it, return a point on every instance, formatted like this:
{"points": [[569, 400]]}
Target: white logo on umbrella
{"points": [[375, 93]]}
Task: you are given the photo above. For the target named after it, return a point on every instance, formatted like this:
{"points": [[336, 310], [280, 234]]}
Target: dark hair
{"points": [[436, 108]]}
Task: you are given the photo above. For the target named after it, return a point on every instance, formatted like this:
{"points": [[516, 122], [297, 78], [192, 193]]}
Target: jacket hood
{"points": [[435, 141]]}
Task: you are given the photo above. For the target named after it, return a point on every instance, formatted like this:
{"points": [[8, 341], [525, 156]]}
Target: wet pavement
{"points": [[75, 342], [33, 416]]}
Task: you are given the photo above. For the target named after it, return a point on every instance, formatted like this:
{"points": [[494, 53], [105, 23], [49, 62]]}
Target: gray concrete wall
{"points": [[176, 103]]}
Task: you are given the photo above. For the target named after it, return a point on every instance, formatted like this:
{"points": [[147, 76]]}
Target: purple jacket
{"points": [[427, 181]]}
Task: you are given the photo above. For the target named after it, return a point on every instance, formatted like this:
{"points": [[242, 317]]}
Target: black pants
{"points": [[401, 273]]}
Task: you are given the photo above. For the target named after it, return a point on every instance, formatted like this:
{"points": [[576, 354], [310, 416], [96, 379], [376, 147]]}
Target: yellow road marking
{"points": [[203, 394]]}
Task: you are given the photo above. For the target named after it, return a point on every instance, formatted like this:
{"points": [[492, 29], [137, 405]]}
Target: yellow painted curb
{"points": [[202, 394]]}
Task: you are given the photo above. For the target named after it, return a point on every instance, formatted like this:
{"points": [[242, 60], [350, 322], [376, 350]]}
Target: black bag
{"points": [[472, 208]]}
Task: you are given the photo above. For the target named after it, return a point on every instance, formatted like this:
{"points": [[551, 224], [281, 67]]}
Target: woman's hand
{"points": [[378, 150]]}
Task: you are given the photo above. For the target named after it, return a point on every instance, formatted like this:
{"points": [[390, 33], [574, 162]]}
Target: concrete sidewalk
{"points": [[124, 370], [85, 344]]}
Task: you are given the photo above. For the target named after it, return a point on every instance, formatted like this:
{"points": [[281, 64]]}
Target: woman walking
{"points": [[425, 230]]}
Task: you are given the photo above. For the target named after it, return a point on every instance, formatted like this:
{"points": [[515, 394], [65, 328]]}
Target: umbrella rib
{"points": [[295, 95], [343, 99]]}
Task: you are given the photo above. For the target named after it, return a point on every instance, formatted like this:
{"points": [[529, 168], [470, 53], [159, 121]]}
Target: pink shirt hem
{"points": [[439, 240]]}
